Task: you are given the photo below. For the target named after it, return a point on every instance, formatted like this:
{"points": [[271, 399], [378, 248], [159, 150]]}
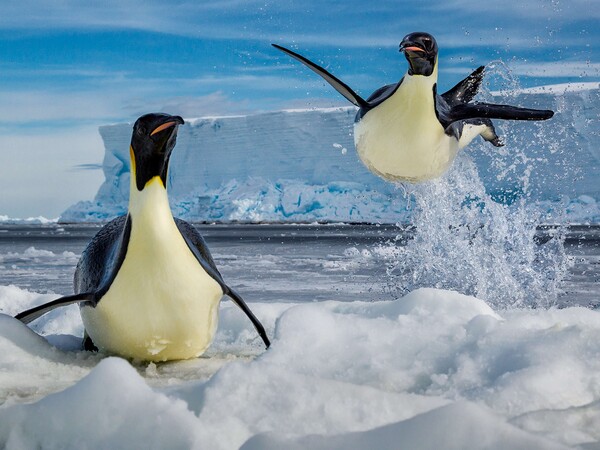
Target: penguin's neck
{"points": [[421, 83], [149, 208]]}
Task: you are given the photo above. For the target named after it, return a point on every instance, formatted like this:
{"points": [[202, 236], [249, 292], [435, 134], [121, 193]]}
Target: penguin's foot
{"points": [[88, 345]]}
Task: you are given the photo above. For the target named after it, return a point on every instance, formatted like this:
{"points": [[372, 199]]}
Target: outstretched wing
{"points": [[466, 89], [338, 84], [492, 111], [455, 112], [33, 313], [198, 247]]}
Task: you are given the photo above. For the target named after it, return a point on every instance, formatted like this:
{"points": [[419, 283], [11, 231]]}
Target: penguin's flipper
{"points": [[490, 111], [242, 304], [338, 84], [200, 250], [466, 89], [33, 313]]}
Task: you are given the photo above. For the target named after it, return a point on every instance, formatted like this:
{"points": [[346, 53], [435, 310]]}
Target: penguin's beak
{"points": [[409, 46], [177, 121], [164, 126], [412, 48]]}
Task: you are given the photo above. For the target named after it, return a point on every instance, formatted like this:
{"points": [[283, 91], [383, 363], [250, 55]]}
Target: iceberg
{"points": [[301, 166]]}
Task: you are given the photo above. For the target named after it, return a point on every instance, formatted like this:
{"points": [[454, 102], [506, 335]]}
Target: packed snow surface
{"points": [[301, 166], [433, 369]]}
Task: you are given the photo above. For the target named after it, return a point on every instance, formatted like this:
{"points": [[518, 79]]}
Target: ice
{"points": [[433, 369], [31, 253], [290, 166], [40, 220]]}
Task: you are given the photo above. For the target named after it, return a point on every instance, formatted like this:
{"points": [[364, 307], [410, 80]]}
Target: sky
{"points": [[68, 67]]}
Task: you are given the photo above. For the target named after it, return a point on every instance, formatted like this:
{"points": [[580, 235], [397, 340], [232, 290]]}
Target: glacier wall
{"points": [[301, 166]]}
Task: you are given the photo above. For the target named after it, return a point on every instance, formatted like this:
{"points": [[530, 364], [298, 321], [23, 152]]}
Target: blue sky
{"points": [[67, 67]]}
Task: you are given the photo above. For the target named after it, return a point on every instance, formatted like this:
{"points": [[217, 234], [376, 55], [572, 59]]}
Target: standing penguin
{"points": [[146, 284], [407, 132]]}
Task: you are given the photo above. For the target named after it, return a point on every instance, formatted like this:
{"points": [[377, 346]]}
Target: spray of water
{"points": [[465, 241]]}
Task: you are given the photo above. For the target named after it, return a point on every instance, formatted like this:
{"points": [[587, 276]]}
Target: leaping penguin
{"points": [[147, 285], [407, 132]]}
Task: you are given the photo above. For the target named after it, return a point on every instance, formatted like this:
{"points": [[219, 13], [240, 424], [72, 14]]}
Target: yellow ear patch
{"points": [[153, 180], [132, 158]]}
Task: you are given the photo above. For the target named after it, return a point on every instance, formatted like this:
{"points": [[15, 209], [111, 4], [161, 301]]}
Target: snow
{"points": [[433, 369], [461, 425], [291, 166], [40, 220]]}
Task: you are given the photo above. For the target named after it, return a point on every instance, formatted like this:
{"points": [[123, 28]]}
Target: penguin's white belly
{"points": [[401, 139], [162, 305]]}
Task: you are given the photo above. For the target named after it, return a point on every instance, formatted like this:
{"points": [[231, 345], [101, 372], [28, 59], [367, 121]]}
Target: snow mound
{"points": [[461, 425], [434, 369], [112, 407]]}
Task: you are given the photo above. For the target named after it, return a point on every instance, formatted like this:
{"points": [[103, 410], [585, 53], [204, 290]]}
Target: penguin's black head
{"points": [[420, 50], [152, 142]]}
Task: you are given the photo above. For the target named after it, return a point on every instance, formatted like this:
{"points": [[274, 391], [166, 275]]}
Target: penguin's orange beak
{"points": [[162, 127], [412, 49]]}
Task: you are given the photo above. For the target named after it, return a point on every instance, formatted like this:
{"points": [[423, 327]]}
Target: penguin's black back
{"points": [[101, 259]]}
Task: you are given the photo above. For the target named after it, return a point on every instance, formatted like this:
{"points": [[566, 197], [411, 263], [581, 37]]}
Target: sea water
{"points": [[306, 263]]}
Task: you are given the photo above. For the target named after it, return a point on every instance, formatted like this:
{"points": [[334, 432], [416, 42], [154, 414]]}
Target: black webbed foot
{"points": [[88, 344]]}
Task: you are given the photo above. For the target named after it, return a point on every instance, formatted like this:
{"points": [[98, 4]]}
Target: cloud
{"points": [[43, 107], [37, 176], [216, 103], [310, 22], [519, 10], [89, 166]]}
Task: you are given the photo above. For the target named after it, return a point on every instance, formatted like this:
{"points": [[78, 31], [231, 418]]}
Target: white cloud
{"points": [[216, 103], [36, 106]]}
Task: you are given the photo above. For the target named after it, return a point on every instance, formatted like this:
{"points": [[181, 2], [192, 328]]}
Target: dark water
{"points": [[280, 262]]}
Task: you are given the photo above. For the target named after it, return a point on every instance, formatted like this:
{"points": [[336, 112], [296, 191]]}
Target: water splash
{"points": [[466, 241]]}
